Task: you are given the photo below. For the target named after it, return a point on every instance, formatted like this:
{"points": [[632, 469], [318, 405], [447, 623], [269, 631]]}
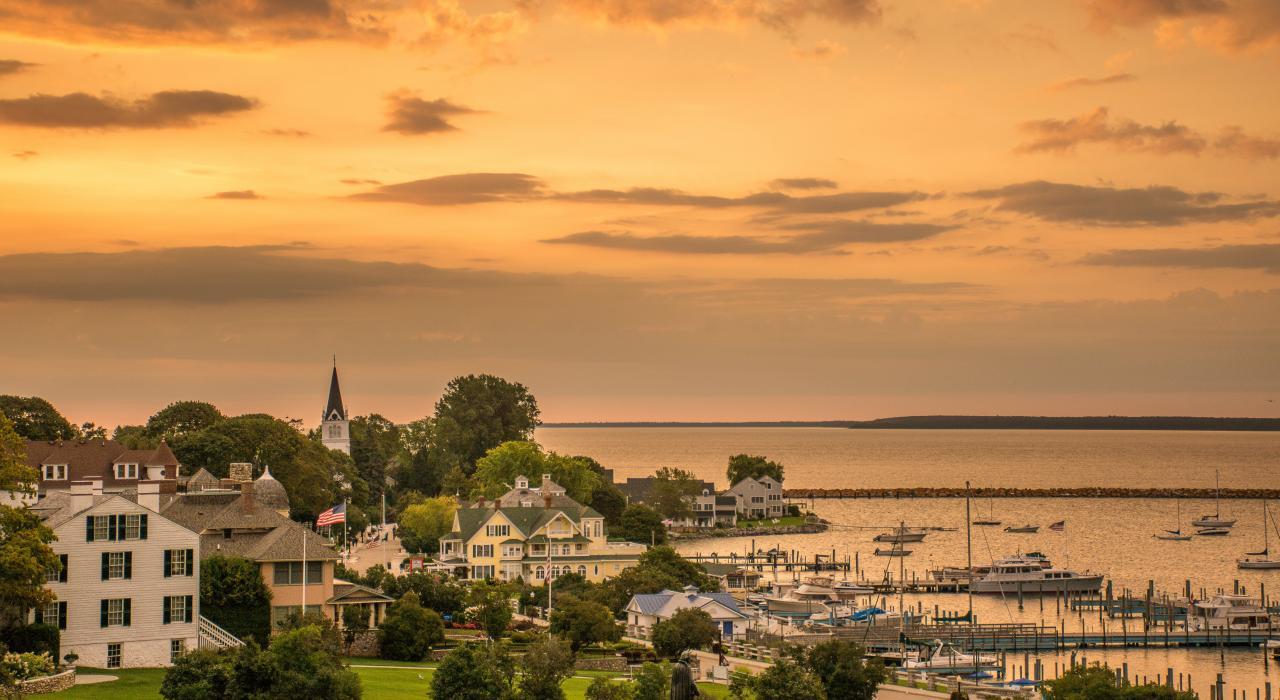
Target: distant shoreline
{"points": [[1190, 423]]}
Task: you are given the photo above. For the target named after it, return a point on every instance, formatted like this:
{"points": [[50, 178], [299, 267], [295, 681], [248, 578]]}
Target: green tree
{"points": [[134, 437], [25, 554], [546, 664], [492, 604], [609, 501], [640, 523], [355, 617], [690, 628], [583, 622], [660, 568], [475, 672], [787, 680], [1098, 682], [409, 631], [653, 681], [198, 675], [605, 689], [182, 418], [479, 412], [234, 597], [752, 466], [497, 470], [300, 663], [844, 672], [422, 525], [672, 491], [36, 419], [436, 591], [377, 450]]}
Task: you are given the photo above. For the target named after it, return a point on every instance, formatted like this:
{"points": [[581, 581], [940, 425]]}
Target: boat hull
{"points": [[1076, 584], [1213, 522], [1258, 564], [909, 537], [788, 606]]}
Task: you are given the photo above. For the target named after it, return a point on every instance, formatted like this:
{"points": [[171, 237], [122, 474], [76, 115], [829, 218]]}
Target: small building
{"points": [[733, 577], [644, 610], [711, 509], [128, 588], [758, 498], [117, 468]]}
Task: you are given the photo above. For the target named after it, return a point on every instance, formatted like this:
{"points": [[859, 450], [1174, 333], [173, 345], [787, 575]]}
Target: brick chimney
{"points": [[240, 471], [149, 495], [546, 500], [81, 495], [247, 501]]}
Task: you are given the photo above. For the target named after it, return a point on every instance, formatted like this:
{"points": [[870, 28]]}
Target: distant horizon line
{"points": [[967, 422]]}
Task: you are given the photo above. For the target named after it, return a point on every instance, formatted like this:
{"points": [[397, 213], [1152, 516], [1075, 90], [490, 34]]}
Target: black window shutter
{"points": [[128, 564], [106, 566], [191, 562], [112, 532], [104, 613], [168, 561], [62, 575], [190, 608], [39, 615], [88, 528], [167, 613], [142, 527], [62, 615], [128, 611]]}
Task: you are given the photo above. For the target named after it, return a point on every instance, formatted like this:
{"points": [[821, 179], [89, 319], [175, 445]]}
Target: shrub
{"points": [[409, 630], [21, 666], [690, 628], [653, 681], [474, 672], [604, 689], [545, 666], [584, 622], [37, 639]]}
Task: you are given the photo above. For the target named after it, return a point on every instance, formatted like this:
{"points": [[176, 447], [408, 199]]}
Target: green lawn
{"points": [[786, 521], [378, 683]]}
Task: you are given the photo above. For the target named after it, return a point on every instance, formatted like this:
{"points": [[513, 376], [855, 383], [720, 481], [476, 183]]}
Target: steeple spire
{"points": [[334, 410]]}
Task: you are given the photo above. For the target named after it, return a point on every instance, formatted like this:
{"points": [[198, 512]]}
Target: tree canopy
{"points": [[421, 525], [672, 491], [752, 466], [583, 622], [640, 523], [409, 630], [497, 470], [475, 672], [1098, 682], [300, 663], [181, 418], [479, 412], [24, 539], [234, 597], [690, 628], [36, 419]]}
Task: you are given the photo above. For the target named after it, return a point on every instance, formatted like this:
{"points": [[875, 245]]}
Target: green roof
{"points": [[526, 520]]}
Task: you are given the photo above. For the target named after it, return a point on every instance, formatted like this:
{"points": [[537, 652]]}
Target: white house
{"points": [[128, 589], [759, 498], [646, 609]]}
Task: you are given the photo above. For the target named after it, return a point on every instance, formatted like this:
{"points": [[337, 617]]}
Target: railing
{"points": [[214, 637]]}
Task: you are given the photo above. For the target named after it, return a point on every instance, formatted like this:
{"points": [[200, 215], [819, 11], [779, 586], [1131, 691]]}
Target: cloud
{"points": [[811, 204], [1233, 141], [781, 15], [1063, 135], [236, 194], [1226, 25], [1074, 83], [803, 183], [1111, 206], [466, 188], [79, 110], [824, 50], [290, 133], [24, 155], [1262, 256], [359, 181], [818, 237], [9, 66], [408, 114]]}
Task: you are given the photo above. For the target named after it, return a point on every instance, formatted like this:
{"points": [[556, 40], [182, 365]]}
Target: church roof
{"points": [[334, 410]]}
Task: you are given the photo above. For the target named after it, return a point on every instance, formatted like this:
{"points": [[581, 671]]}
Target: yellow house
{"points": [[534, 534]]}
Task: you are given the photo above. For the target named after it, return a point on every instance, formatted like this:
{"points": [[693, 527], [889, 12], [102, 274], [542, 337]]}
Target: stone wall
{"points": [[361, 643], [48, 684], [762, 531], [602, 663]]}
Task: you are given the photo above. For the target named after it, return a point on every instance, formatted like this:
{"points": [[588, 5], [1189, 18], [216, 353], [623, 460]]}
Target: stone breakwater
{"points": [[1086, 492], [806, 529]]}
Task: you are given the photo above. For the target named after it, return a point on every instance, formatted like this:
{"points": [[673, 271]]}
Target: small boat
{"points": [[1230, 612], [895, 552], [947, 619], [1213, 532], [1263, 559], [811, 597], [946, 658], [847, 590], [1176, 534], [1216, 520], [1016, 574], [901, 535], [987, 522], [1027, 529]]}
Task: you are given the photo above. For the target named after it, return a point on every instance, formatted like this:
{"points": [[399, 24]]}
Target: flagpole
{"points": [[304, 572], [346, 539], [385, 565]]}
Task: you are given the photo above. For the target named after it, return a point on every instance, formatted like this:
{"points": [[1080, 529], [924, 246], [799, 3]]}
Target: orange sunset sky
{"points": [[643, 209]]}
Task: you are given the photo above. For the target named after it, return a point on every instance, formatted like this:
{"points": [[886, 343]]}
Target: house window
{"points": [[497, 530], [176, 648], [126, 471], [289, 573], [582, 570], [117, 612], [54, 574], [132, 527], [55, 472], [481, 550], [101, 527], [51, 616], [539, 573], [113, 655], [177, 608], [118, 565], [178, 563], [280, 614]]}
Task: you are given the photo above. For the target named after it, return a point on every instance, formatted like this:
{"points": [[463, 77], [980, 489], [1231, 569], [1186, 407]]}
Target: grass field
{"points": [[378, 683]]}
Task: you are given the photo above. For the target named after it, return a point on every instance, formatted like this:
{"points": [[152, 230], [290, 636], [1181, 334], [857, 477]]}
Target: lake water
{"points": [[1113, 536]]}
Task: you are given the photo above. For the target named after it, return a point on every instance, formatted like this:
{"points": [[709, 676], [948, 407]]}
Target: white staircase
{"points": [[214, 637]]}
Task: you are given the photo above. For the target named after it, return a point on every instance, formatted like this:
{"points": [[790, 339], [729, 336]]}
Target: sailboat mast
{"points": [[968, 546]]}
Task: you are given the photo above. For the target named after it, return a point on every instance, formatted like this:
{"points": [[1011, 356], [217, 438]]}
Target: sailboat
{"points": [[1263, 559], [990, 519], [1174, 535], [1216, 520]]}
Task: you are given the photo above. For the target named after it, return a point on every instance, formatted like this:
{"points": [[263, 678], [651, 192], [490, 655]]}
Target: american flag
{"points": [[1059, 526], [336, 514]]}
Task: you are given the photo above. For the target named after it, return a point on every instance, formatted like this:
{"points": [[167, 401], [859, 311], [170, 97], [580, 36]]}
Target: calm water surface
{"points": [[1113, 536]]}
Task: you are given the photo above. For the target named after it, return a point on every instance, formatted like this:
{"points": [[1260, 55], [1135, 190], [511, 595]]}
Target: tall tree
{"points": [[233, 596], [181, 418], [547, 663], [480, 412], [475, 672], [24, 539], [423, 524], [376, 448], [841, 666], [640, 523], [690, 628], [409, 630], [583, 622], [498, 469], [672, 491], [752, 466], [36, 419]]}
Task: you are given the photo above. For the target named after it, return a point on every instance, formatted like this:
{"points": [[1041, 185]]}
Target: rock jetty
{"points": [[1085, 492]]}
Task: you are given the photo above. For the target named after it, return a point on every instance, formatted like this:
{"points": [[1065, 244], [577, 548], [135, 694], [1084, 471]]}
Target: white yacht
{"points": [[1263, 559], [1231, 612], [901, 534], [1216, 520], [946, 658], [811, 597], [848, 590], [1031, 577]]}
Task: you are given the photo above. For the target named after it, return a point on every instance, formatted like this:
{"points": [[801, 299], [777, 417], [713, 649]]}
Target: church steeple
{"points": [[335, 429]]}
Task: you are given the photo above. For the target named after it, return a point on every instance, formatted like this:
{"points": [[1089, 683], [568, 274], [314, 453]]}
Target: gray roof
{"points": [[257, 531], [651, 603]]}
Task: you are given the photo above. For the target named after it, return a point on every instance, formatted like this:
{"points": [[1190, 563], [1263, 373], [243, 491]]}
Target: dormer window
{"points": [[126, 471], [55, 472]]}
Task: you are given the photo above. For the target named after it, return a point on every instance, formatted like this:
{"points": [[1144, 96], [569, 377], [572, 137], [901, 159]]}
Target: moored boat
{"points": [[1017, 574], [944, 657], [1216, 520], [1263, 559], [901, 535], [1025, 529], [1230, 612]]}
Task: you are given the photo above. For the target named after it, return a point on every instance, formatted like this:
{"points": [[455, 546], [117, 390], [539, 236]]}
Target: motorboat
{"points": [[944, 657], [1213, 532], [987, 522], [895, 552], [1263, 559], [1017, 574], [1038, 557], [811, 597], [1026, 529], [848, 590], [1216, 520], [901, 535], [1231, 612], [1174, 535]]}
